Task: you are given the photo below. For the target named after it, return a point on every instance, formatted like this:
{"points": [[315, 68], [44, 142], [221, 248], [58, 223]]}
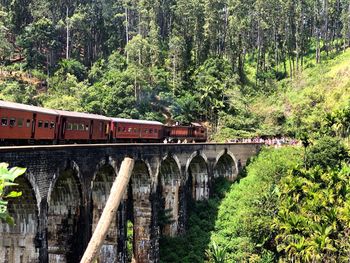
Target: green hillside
{"points": [[312, 101], [318, 91]]}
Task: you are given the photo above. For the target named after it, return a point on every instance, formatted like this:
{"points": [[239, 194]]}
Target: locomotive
{"points": [[25, 124]]}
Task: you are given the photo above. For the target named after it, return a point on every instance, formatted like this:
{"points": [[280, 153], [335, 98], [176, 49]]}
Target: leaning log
{"points": [[108, 215]]}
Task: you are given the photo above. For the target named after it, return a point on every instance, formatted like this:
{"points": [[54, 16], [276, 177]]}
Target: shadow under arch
{"points": [[18, 241], [198, 177], [226, 166], [64, 227], [168, 193]]}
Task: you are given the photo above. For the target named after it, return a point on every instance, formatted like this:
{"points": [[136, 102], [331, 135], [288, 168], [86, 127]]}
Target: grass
{"points": [[317, 90]]}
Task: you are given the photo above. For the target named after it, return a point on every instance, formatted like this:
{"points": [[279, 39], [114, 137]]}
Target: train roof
{"points": [[121, 120], [75, 114], [24, 107]]}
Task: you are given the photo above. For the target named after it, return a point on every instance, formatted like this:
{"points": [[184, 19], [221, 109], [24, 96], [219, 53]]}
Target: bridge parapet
{"points": [[69, 185]]}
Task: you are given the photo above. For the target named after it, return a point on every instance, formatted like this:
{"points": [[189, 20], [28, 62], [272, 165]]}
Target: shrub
{"points": [[7, 178], [326, 152]]}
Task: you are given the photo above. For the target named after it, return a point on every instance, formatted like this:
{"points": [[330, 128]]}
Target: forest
{"points": [[209, 61], [242, 68]]}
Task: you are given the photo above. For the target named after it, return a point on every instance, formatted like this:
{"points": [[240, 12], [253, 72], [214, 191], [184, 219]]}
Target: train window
{"points": [[12, 122], [40, 124], [155, 131], [69, 126], [28, 123], [119, 129], [130, 130], [3, 121], [135, 130], [75, 126], [81, 127], [150, 130], [46, 124], [100, 126], [124, 129], [52, 125], [146, 130], [87, 127]]}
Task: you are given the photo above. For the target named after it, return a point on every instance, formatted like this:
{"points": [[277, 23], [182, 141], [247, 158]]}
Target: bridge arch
{"points": [[101, 185], [168, 190], [18, 241], [169, 156], [64, 215], [197, 176], [226, 165], [107, 161]]}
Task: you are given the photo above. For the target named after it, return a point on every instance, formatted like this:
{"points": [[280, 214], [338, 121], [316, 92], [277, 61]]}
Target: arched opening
{"points": [[101, 189], [18, 240], [139, 213], [226, 167], [168, 190], [198, 178], [64, 231]]}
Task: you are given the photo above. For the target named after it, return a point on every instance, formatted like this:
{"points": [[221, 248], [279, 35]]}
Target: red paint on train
{"points": [[22, 123]]}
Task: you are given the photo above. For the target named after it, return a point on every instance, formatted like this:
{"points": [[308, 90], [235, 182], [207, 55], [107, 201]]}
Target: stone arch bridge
{"points": [[66, 187]]}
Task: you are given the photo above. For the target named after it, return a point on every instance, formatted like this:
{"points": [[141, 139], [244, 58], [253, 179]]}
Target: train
{"points": [[23, 124]]}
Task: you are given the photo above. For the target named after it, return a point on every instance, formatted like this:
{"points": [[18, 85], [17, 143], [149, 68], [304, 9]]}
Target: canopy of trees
{"points": [[193, 60]]}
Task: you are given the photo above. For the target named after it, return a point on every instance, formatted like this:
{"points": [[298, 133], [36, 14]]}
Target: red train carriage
{"points": [[195, 132], [199, 132], [21, 122], [76, 126], [129, 130]]}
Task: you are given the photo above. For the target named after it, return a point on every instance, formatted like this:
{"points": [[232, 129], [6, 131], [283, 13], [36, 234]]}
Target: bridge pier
{"points": [[64, 218], [65, 189], [101, 187], [169, 181], [17, 241]]}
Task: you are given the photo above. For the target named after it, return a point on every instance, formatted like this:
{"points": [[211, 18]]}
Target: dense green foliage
{"points": [[192, 246], [326, 152], [313, 206], [244, 225], [7, 178], [216, 61], [313, 218]]}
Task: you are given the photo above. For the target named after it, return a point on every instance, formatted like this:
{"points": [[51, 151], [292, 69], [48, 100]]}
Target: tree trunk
{"points": [[126, 32], [67, 33]]}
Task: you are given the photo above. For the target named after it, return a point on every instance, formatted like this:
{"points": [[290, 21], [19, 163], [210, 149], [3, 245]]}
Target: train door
{"points": [[62, 128], [191, 131], [56, 128], [115, 130], [33, 126], [101, 129], [91, 129]]}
